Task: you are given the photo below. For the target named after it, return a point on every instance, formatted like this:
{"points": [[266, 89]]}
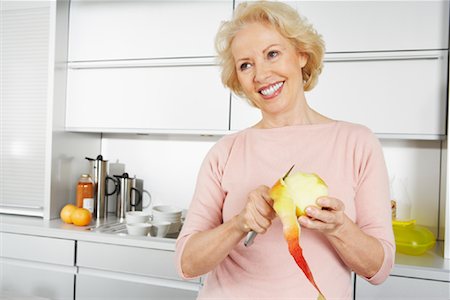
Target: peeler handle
{"points": [[249, 239]]}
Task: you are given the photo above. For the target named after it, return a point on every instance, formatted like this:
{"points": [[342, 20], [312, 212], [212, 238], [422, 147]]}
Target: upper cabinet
{"points": [[361, 25], [147, 98], [401, 94], [145, 67], [110, 30], [148, 66], [386, 66]]}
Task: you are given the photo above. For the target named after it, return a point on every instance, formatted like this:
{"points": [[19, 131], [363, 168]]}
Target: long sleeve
{"points": [[372, 201], [205, 211]]}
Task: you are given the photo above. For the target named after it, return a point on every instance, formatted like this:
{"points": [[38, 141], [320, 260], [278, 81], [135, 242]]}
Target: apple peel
{"points": [[291, 196]]}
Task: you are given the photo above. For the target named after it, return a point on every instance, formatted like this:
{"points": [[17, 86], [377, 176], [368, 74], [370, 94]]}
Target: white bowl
{"points": [[136, 217], [166, 210], [171, 219], [159, 228], [138, 228]]}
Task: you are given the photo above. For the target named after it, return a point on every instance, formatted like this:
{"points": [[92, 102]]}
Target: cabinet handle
{"points": [[185, 285], [332, 59], [26, 210], [144, 63]]}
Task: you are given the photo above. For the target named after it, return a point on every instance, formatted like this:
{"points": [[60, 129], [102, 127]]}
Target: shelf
{"points": [[431, 265]]}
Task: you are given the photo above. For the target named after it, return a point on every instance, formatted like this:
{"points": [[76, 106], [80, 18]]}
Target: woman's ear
{"points": [[302, 59]]}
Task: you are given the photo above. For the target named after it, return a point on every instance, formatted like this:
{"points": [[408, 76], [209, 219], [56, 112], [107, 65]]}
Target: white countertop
{"points": [[57, 229], [430, 265]]}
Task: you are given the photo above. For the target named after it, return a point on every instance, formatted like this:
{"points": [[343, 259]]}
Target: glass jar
{"points": [[85, 189]]}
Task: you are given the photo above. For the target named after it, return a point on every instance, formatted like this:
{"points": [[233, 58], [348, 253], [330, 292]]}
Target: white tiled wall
{"points": [[169, 164]]}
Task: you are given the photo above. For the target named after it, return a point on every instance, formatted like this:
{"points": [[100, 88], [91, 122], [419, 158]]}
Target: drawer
{"points": [[36, 248], [33, 279], [125, 259], [396, 287], [94, 284]]}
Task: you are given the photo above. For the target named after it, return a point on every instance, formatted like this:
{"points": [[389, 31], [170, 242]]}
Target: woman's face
{"points": [[268, 68]]}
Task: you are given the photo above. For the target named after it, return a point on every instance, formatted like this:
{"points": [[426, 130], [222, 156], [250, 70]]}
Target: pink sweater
{"points": [[350, 160]]}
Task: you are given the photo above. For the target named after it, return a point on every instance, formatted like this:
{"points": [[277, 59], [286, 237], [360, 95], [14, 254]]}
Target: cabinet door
{"points": [[402, 94], [349, 26], [25, 33], [140, 261], [106, 30], [92, 284], [146, 99], [400, 288], [26, 278], [36, 248]]}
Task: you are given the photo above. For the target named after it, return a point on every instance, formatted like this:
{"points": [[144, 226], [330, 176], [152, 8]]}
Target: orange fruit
{"points": [[81, 217], [66, 213]]}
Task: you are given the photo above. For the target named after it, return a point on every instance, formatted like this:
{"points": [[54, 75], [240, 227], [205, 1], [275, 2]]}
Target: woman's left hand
{"points": [[328, 220]]}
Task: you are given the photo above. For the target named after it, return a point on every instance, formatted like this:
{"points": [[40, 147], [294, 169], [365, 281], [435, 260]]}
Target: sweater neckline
{"points": [[294, 127]]}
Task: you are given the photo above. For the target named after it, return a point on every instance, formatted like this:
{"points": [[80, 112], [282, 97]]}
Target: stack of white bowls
{"points": [[167, 213], [137, 223]]}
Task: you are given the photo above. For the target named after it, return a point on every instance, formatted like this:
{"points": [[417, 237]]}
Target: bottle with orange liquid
{"points": [[85, 190]]}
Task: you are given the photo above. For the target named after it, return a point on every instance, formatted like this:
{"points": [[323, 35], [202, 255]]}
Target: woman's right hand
{"points": [[258, 212]]}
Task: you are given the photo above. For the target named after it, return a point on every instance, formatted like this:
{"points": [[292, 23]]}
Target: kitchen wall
{"points": [[168, 164]]}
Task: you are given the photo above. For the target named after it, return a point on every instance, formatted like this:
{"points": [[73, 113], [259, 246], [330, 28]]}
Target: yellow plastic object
{"points": [[412, 239]]}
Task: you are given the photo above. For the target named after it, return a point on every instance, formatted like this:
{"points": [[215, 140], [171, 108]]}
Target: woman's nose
{"points": [[262, 72]]}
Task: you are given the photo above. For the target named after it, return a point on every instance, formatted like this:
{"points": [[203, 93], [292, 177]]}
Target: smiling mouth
{"points": [[271, 90]]}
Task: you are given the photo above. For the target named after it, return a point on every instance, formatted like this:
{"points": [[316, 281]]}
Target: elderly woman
{"points": [[271, 56]]}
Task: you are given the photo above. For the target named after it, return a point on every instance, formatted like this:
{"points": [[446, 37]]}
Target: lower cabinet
{"points": [[25, 279], [107, 271], [399, 288], [36, 266], [94, 284]]}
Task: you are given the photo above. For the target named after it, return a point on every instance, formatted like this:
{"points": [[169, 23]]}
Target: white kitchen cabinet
{"points": [[109, 271], [94, 284], [36, 248], [140, 261], [401, 94], [147, 98], [37, 266], [40, 163], [361, 26], [110, 30], [25, 278], [399, 288]]}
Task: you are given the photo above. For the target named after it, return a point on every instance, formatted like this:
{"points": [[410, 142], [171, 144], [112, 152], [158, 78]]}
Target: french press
{"points": [[124, 198], [98, 174]]}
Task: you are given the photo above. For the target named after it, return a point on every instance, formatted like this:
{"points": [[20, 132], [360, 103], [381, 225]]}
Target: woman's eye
{"points": [[244, 66], [272, 54]]}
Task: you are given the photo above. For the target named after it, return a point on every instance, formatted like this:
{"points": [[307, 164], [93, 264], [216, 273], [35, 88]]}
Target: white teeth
{"points": [[271, 90]]}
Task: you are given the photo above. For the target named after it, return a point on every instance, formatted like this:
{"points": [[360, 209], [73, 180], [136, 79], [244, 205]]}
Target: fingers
{"points": [[328, 219], [330, 203], [258, 212]]}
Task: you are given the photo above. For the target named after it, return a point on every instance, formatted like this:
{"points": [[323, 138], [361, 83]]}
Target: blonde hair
{"points": [[288, 23]]}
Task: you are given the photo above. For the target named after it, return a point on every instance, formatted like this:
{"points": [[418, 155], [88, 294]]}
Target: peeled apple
{"points": [[291, 196]]}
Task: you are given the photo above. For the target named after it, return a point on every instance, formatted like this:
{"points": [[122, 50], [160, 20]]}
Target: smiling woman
{"points": [[271, 56], [301, 35]]}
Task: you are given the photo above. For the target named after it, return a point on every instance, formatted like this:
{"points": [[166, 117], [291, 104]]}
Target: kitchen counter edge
{"points": [[432, 265]]}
